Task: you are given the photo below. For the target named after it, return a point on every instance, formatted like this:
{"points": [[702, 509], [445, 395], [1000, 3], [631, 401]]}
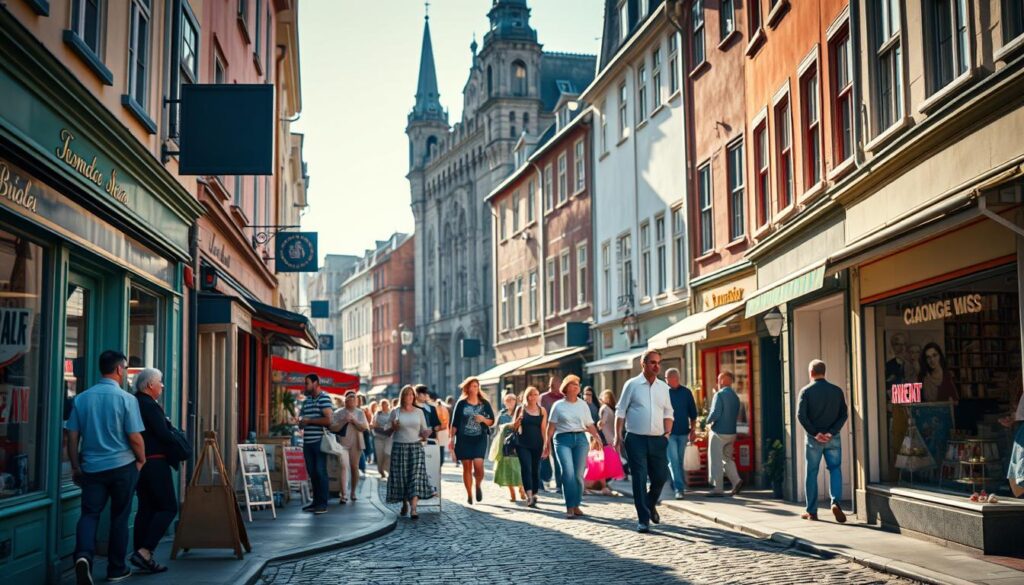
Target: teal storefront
{"points": [[94, 238]]}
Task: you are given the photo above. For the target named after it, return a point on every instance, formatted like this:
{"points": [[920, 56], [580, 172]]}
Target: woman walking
{"points": [[569, 422], [349, 423], [407, 481], [606, 416], [531, 422], [382, 437], [507, 472], [470, 427]]}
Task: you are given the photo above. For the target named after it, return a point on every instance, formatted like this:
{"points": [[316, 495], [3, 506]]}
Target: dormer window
{"points": [[623, 21]]}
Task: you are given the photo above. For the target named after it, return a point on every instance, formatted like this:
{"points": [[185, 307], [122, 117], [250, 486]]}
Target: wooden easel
{"points": [[210, 517]]}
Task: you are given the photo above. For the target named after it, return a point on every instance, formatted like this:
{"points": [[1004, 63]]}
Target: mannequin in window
{"points": [[938, 383]]}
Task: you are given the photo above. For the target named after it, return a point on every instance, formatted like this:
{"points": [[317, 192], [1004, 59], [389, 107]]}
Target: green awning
{"points": [[785, 290]]}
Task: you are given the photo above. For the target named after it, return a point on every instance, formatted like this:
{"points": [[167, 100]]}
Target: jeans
{"points": [[316, 467], [118, 486], [158, 504], [647, 457], [550, 468], [571, 455], [529, 464], [676, 449], [721, 461], [813, 452]]}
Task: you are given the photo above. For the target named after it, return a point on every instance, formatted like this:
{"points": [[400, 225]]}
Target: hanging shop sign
{"points": [[943, 309], [15, 333], [296, 252], [320, 309], [326, 342], [909, 393]]}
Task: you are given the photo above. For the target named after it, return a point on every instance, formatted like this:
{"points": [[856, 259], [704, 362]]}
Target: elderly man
{"points": [[821, 410], [725, 409], [684, 429]]}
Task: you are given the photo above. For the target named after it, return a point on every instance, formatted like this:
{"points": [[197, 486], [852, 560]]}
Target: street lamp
{"points": [[632, 326], [406, 338], [773, 321]]}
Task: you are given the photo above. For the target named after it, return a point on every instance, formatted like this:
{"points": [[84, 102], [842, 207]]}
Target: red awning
{"points": [[292, 374]]}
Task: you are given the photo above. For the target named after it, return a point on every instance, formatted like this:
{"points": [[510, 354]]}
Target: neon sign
{"points": [[909, 393]]}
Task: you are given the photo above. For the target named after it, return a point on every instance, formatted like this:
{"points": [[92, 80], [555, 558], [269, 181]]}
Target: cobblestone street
{"points": [[501, 542]]}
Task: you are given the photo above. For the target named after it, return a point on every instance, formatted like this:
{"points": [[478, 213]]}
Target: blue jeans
{"points": [[646, 455], [813, 452], [316, 467], [571, 455], [118, 486], [676, 449]]}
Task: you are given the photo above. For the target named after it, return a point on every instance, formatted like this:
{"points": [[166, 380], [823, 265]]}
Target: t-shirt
{"points": [[409, 425], [570, 417], [105, 415], [313, 407], [465, 417]]}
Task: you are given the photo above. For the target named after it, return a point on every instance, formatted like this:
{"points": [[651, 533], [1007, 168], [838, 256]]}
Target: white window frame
{"points": [[549, 195], [673, 63], [657, 96], [563, 177], [604, 126], [531, 200], [698, 47], [549, 294], [737, 190], [726, 19], [78, 24], [515, 212], [645, 260], [661, 259], [579, 162], [565, 269], [887, 63], [623, 21], [140, 12], [519, 302], [504, 306], [705, 206], [606, 274], [961, 61], [582, 262], [533, 296], [623, 111], [503, 220], [679, 267], [641, 92]]}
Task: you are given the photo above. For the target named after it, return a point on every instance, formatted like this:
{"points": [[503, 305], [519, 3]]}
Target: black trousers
{"points": [[647, 458], [529, 464], [158, 504]]}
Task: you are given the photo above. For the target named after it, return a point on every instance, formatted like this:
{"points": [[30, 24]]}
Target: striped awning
{"points": [[782, 291]]}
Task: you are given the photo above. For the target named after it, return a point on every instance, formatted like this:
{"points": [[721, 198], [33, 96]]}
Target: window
{"points": [[704, 196], [519, 85], [563, 177], [673, 64], [533, 296], [659, 240], [1013, 20], [549, 294], [734, 160], [623, 21], [812, 128], [581, 274], [512, 125], [761, 169], [566, 291], [784, 147], [519, 301], [220, 69], [842, 97], [656, 97], [531, 200], [138, 52], [754, 16], [238, 191], [624, 249], [645, 260], [504, 306], [678, 248], [549, 195], [87, 22], [515, 212], [885, 22], [243, 10], [623, 120], [604, 126], [697, 50], [727, 18], [947, 42], [188, 59], [580, 161], [503, 220], [606, 276], [735, 359], [641, 93]]}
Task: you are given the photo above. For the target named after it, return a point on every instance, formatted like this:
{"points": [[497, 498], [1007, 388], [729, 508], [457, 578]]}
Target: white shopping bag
{"points": [[691, 458]]}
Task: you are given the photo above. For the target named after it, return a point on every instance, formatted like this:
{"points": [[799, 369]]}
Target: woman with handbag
{"points": [[349, 424], [382, 437], [531, 423], [507, 472], [470, 428], [158, 504], [408, 481]]}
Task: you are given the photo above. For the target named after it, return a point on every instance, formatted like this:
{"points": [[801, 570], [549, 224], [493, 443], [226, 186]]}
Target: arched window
{"points": [[526, 122], [431, 147], [490, 82], [518, 78]]}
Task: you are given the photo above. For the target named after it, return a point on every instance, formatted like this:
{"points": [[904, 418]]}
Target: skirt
{"points": [[1016, 470], [507, 472], [408, 475], [470, 447]]}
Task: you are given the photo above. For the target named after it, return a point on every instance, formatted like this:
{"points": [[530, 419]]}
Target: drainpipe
{"points": [[858, 133], [193, 351]]}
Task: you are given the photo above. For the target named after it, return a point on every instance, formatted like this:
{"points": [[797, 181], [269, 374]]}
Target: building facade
{"points": [[513, 86], [393, 295], [325, 285], [357, 321]]}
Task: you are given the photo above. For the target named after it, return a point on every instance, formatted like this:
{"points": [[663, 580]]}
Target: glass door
{"points": [[79, 349]]}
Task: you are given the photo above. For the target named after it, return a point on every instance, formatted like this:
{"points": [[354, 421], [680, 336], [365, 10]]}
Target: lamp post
{"points": [[773, 322]]}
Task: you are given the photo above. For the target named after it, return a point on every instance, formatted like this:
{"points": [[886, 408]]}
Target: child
{"points": [[506, 469]]}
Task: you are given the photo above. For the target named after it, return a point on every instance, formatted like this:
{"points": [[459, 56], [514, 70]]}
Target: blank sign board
{"points": [[227, 129]]}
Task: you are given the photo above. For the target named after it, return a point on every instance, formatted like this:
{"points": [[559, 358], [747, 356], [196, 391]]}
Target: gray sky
{"points": [[359, 61]]}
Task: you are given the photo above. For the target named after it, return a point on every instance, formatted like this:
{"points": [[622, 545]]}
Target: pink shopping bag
{"points": [[612, 464], [595, 466]]}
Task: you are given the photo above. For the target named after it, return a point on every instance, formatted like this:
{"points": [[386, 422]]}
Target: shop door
{"points": [[80, 349], [819, 332]]}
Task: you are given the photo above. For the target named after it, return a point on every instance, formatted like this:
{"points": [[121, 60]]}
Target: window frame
{"points": [[727, 26], [679, 265], [698, 47], [762, 173], [515, 212], [705, 208], [565, 272], [606, 274], [78, 25], [737, 190], [582, 261], [623, 111], [840, 44], [563, 177], [550, 297], [519, 302], [549, 195], [1010, 18], [533, 296], [531, 200], [660, 255], [139, 10], [641, 92], [673, 63], [644, 235], [886, 56], [604, 126], [784, 167], [579, 164], [657, 96], [504, 306], [961, 60], [503, 221], [810, 120]]}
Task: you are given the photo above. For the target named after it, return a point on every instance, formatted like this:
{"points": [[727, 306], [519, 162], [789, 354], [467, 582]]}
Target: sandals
{"points": [[414, 516], [405, 509]]}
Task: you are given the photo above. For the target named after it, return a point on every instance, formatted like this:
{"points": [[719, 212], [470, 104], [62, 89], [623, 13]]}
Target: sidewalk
{"points": [[293, 534], [757, 514]]}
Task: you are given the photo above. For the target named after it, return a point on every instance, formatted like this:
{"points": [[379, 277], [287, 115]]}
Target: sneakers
{"points": [[309, 508], [679, 495], [736, 488], [643, 528], [144, 564], [83, 572], [115, 578], [838, 513], [321, 510]]}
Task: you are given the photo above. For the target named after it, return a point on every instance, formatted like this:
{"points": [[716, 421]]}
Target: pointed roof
{"points": [[428, 99]]}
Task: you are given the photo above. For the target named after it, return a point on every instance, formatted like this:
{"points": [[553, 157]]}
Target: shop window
{"points": [[23, 335], [144, 332], [735, 359], [948, 365], [1013, 20]]}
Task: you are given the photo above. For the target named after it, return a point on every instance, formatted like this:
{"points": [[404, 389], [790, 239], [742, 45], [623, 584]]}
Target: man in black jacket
{"points": [[158, 504], [822, 413]]}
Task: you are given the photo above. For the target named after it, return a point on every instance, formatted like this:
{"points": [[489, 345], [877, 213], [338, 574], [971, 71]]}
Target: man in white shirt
{"points": [[645, 413]]}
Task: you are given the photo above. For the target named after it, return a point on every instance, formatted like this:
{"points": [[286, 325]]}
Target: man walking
{"points": [[314, 419], [107, 421], [429, 410], [645, 412], [725, 409], [550, 466], [822, 412], [684, 429]]}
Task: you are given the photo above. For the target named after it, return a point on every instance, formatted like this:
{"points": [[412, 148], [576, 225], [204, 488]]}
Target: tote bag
{"points": [[691, 458], [330, 445]]}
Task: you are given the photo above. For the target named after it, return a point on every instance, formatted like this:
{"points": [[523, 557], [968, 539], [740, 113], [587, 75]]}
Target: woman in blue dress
{"points": [[470, 426]]}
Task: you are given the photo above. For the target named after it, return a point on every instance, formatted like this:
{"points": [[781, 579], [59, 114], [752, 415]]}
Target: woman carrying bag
{"points": [[507, 472], [531, 422]]}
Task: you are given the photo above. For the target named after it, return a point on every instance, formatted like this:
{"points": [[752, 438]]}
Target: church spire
{"points": [[428, 100]]}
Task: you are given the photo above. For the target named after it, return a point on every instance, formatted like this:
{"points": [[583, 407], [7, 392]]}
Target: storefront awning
{"points": [[378, 390], [616, 361], [784, 290], [549, 359], [693, 328], [292, 375], [284, 327], [493, 376]]}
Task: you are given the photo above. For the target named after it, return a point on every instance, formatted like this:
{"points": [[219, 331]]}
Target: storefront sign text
{"points": [[10, 190], [15, 333], [906, 393], [88, 169], [219, 252], [13, 404], [943, 309], [733, 295]]}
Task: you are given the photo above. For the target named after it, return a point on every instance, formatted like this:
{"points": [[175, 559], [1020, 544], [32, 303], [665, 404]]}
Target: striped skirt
{"points": [[408, 476]]}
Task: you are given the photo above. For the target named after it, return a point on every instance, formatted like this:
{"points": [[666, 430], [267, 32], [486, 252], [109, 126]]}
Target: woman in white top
{"points": [[382, 437], [349, 423], [568, 423], [408, 474]]}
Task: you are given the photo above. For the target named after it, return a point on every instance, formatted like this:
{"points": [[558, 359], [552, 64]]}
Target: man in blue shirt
{"points": [[684, 410], [725, 409], [106, 465]]}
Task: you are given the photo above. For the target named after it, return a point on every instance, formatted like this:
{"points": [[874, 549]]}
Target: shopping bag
{"points": [[330, 445], [691, 458], [612, 464], [595, 466]]}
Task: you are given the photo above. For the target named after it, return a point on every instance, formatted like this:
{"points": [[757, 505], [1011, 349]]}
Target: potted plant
{"points": [[775, 467]]}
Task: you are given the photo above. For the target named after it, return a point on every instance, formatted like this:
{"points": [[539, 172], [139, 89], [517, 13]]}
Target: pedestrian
{"points": [[591, 400], [363, 455], [429, 411], [470, 427], [684, 429], [349, 424], [549, 466], [643, 422], [606, 417], [507, 470], [510, 403], [1015, 470], [725, 409], [158, 503], [822, 412], [508, 408], [408, 481], [444, 414], [315, 417], [382, 437], [568, 424], [531, 422], [370, 410], [106, 465]]}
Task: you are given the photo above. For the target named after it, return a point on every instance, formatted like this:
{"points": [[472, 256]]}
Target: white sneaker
{"points": [[679, 495]]}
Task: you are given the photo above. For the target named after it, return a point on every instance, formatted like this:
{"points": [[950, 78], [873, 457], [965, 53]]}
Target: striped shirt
{"points": [[313, 407]]}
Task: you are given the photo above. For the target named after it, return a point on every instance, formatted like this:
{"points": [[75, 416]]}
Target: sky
{"points": [[359, 63]]}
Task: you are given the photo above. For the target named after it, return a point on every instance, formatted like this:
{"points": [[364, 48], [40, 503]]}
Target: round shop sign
{"points": [[296, 252]]}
